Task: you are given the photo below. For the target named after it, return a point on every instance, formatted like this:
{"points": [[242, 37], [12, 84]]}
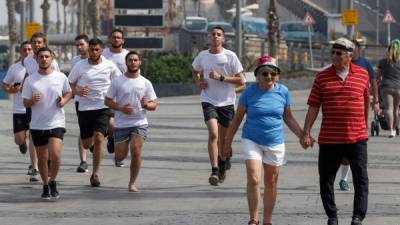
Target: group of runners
{"points": [[111, 98]]}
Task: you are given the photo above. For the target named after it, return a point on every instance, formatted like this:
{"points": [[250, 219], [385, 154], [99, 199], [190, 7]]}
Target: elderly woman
{"points": [[389, 74], [267, 105]]}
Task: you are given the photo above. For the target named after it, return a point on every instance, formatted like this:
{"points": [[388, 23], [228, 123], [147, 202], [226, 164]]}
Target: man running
{"points": [[222, 73], [131, 95], [12, 84], [116, 54], [90, 79], [46, 92], [82, 47]]}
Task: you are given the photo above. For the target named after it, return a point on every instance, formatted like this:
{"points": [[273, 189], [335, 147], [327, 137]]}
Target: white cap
{"points": [[344, 44]]}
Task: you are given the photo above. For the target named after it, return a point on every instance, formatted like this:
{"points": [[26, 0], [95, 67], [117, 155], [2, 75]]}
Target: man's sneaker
{"points": [[333, 221], [110, 145], [23, 148], [344, 186], [221, 170], [82, 168], [53, 189], [46, 192], [228, 164], [119, 163], [30, 170], [356, 221], [34, 176], [213, 180], [94, 180]]}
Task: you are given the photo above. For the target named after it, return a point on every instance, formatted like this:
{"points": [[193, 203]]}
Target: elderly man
{"points": [[342, 91]]}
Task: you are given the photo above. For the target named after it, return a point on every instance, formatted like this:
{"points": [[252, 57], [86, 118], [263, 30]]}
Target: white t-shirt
{"points": [[225, 63], [32, 66], [74, 61], [117, 58], [46, 114], [130, 91], [16, 74], [97, 78]]}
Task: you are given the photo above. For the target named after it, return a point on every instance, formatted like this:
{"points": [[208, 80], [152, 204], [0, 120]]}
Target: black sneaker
{"points": [[221, 170], [34, 176], [94, 180], [119, 163], [356, 221], [82, 168], [228, 164], [213, 179], [23, 148], [333, 221], [30, 170], [46, 192], [110, 145], [53, 189]]}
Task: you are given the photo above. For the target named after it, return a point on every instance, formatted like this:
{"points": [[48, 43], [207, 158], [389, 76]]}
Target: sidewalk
{"points": [[173, 182]]}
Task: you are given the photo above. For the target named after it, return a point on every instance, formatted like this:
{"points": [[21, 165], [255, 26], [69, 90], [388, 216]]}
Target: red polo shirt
{"points": [[342, 103]]}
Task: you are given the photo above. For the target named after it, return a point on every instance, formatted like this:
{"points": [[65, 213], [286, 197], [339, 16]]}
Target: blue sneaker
{"points": [[344, 186]]}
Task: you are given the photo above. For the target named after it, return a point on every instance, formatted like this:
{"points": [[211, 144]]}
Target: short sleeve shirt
{"points": [[97, 78], [16, 74], [226, 63], [46, 114], [264, 114], [390, 74], [32, 66], [130, 91], [117, 58]]}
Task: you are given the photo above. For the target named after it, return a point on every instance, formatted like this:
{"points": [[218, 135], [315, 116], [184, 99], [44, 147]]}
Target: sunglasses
{"points": [[338, 53], [266, 74]]}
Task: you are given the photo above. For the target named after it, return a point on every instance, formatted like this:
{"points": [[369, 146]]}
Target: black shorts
{"points": [[223, 114], [93, 120], [41, 137], [77, 108], [21, 121]]}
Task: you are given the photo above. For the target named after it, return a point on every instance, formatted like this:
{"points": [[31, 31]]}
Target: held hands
{"points": [[144, 101], [306, 140], [214, 75], [15, 89], [37, 96], [61, 101], [82, 91]]}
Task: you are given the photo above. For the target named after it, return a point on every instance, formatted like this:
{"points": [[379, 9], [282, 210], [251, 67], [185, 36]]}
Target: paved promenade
{"points": [[173, 182]]}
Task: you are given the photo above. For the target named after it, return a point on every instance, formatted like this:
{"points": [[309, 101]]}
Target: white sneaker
{"points": [[392, 133]]}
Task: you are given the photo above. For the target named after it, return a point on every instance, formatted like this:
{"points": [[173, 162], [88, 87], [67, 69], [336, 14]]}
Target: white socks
{"points": [[345, 172]]}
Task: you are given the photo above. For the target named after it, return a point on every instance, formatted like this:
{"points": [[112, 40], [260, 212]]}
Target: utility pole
{"points": [[238, 29], [22, 18], [350, 29], [378, 9], [31, 11], [273, 29]]}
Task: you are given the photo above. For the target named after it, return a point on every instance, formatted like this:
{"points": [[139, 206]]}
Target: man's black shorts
{"points": [[93, 120], [21, 121], [41, 137], [223, 114]]}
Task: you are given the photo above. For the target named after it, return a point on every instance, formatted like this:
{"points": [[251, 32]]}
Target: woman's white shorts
{"points": [[271, 155]]}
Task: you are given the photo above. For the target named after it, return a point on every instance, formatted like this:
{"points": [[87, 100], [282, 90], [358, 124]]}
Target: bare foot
{"points": [[132, 188]]}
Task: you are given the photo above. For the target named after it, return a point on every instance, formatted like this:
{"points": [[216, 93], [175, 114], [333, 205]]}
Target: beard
{"points": [[44, 67], [133, 70], [116, 46]]}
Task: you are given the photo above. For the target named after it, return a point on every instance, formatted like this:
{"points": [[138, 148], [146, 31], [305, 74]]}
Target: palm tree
{"points": [[58, 24], [46, 15], [65, 5], [12, 29], [94, 16]]}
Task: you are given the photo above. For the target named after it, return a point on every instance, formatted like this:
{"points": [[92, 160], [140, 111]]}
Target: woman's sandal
{"points": [[253, 222]]}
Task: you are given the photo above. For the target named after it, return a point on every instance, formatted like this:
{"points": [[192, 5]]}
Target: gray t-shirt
{"points": [[390, 74]]}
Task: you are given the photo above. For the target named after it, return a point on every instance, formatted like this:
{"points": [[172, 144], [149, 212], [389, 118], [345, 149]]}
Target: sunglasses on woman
{"points": [[266, 74]]}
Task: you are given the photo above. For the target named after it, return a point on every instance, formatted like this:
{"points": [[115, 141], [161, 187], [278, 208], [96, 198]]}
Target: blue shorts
{"points": [[125, 133]]}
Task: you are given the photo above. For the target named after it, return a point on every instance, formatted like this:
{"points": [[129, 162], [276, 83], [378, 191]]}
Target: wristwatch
{"points": [[221, 78]]}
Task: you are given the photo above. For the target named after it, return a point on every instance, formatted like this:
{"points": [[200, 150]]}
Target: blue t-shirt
{"points": [[363, 62], [264, 109]]}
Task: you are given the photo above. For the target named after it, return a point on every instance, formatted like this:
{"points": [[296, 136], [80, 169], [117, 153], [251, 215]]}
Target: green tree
{"points": [[170, 69]]}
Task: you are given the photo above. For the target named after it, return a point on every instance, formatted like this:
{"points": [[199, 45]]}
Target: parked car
{"points": [[295, 31], [253, 25], [196, 24], [228, 28]]}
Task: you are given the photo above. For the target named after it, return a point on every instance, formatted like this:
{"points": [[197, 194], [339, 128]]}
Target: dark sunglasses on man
{"points": [[338, 53]]}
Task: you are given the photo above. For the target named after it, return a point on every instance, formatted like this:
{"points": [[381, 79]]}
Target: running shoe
{"points": [[82, 168], [46, 192], [94, 180], [110, 145], [53, 189], [34, 176], [213, 180], [228, 164], [344, 186], [356, 221], [30, 170], [119, 163], [333, 221], [23, 148]]}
